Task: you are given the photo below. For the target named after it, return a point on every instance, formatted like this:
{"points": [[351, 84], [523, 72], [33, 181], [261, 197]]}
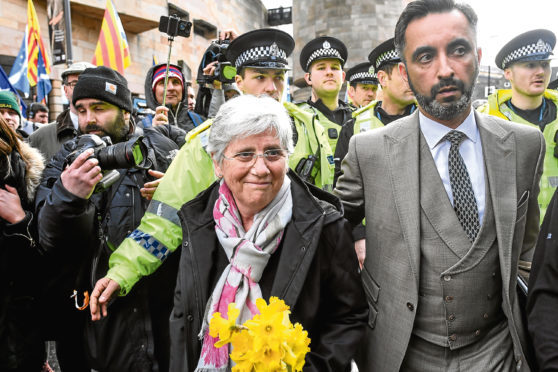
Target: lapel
{"points": [[402, 153], [437, 206], [498, 146], [300, 242]]}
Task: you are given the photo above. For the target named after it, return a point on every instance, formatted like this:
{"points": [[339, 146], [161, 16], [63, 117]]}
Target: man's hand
{"points": [[228, 34], [149, 187], [360, 249], [10, 205], [210, 68], [161, 116], [82, 175], [103, 292]]}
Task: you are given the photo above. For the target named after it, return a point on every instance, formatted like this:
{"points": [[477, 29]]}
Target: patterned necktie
{"points": [[464, 202]]}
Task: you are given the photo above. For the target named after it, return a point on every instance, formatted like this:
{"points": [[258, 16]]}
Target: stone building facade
{"points": [[140, 19], [361, 25]]}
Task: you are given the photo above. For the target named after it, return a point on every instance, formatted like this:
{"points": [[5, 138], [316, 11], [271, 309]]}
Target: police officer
{"points": [[323, 59], [260, 58], [397, 100], [363, 84], [526, 64]]}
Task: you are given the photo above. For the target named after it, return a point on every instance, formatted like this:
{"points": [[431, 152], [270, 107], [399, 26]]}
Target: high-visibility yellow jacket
{"points": [[497, 106]]}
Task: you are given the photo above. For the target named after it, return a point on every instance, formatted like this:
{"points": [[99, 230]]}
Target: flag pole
{"points": [[68, 21]]}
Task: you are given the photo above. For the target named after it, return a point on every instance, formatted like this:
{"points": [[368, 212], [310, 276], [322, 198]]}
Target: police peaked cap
{"points": [[362, 73], [263, 48], [383, 54], [535, 45], [324, 47]]}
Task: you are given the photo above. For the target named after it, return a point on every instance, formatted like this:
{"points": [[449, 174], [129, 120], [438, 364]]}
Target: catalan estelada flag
{"points": [[34, 46], [112, 48]]}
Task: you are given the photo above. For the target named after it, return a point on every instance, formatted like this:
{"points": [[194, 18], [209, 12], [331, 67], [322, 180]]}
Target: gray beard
{"points": [[447, 110]]}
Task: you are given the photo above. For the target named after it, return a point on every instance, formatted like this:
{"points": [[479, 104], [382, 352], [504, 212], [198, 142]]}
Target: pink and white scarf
{"points": [[248, 253]]}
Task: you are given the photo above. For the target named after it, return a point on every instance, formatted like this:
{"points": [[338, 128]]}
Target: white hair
{"points": [[245, 116]]}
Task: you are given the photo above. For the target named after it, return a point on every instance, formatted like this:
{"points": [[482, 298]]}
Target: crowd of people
{"points": [[394, 225]]}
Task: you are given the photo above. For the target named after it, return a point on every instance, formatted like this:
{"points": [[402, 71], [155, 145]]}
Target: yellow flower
{"points": [[224, 328], [269, 359], [268, 329], [242, 344], [275, 306], [268, 342], [298, 345]]}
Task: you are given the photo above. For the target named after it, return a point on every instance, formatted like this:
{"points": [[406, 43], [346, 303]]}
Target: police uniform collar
{"points": [[383, 54], [324, 47], [263, 48], [535, 45]]}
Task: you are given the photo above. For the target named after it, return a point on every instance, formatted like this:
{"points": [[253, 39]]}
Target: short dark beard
{"points": [[117, 130], [448, 110]]}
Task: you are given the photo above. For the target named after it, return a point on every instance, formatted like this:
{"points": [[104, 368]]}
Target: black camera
{"points": [[125, 155], [224, 71], [175, 26]]}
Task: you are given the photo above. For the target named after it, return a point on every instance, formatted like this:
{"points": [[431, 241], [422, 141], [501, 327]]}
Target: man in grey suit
{"points": [[450, 200]]}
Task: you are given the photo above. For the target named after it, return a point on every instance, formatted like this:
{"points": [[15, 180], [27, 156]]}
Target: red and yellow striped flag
{"points": [[112, 48], [34, 46]]}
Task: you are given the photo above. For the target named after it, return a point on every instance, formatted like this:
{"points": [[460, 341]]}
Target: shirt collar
{"points": [[434, 132], [74, 119]]}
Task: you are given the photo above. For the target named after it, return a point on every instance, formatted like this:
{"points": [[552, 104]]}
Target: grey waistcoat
{"points": [[460, 292]]}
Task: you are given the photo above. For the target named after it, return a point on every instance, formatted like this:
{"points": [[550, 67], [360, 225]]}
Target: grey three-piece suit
{"points": [[427, 285]]}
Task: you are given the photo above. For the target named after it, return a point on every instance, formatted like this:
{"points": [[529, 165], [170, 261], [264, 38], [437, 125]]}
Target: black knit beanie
{"points": [[105, 84]]}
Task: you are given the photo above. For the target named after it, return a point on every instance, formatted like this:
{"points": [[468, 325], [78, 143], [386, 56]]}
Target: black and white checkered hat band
{"points": [[390, 55], [527, 51], [261, 53], [362, 76], [323, 53]]}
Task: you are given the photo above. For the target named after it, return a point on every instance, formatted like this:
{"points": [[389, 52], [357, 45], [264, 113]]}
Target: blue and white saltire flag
{"points": [[18, 74], [43, 85], [6, 85]]}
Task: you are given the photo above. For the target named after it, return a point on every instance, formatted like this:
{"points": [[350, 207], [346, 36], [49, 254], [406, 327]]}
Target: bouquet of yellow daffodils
{"points": [[267, 342]]}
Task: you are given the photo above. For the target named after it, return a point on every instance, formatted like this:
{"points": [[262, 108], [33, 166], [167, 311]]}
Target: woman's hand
{"points": [[103, 292], [10, 205]]}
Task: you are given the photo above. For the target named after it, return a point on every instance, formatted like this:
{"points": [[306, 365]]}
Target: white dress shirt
{"points": [[470, 150]]}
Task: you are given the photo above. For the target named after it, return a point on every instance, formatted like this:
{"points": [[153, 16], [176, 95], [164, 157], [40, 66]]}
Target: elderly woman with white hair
{"points": [[260, 231]]}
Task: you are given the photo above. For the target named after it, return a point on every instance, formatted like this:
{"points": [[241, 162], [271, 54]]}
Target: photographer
{"points": [[79, 227], [175, 109]]}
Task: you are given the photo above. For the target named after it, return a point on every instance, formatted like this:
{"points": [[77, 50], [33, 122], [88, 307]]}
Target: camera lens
{"points": [[123, 155]]}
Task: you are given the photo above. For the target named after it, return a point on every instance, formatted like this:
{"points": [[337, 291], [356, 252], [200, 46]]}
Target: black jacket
{"points": [[542, 303], [178, 117], [79, 235], [21, 344], [315, 271]]}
